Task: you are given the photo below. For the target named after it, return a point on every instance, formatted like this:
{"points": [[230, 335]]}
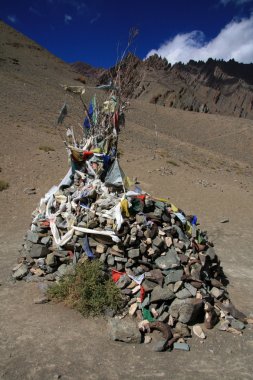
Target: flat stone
{"points": [[169, 260], [140, 218], [32, 237], [161, 294], [64, 269], [147, 339], [143, 248], [216, 292], [158, 242], [223, 325], [133, 253], [211, 253], [110, 260], [46, 240], [168, 241], [191, 289], [238, 325], [101, 248], [189, 312], [20, 272], [120, 267], [38, 251], [182, 294], [181, 346], [176, 305], [133, 308], [156, 276], [177, 286], [50, 259], [120, 259], [164, 316], [159, 346], [182, 329], [123, 281], [124, 330], [102, 258], [173, 276], [148, 285]]}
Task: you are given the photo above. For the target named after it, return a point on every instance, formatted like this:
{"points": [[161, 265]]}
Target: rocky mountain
{"points": [[213, 87], [87, 70]]}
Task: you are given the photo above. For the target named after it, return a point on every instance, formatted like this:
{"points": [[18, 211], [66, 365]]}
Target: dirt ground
{"points": [[51, 341], [203, 163]]}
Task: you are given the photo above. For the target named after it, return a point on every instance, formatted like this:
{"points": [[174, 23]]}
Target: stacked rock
{"points": [[164, 265]]}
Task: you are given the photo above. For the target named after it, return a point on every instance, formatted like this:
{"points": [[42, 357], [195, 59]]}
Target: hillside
{"points": [[202, 162], [216, 87]]}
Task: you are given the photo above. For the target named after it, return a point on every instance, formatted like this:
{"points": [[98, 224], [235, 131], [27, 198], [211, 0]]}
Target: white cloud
{"points": [[235, 40], [67, 19], [96, 18], [12, 19]]}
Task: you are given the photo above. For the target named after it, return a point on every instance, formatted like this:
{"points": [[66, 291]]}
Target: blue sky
{"points": [[96, 31]]}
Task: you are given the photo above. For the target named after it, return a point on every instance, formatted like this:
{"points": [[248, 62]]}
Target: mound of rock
{"points": [[164, 265]]}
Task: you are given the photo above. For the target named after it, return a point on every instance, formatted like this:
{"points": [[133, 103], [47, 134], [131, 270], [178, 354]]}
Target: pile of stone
{"points": [[165, 266]]}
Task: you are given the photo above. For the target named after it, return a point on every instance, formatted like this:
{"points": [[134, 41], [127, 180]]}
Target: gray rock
{"points": [[38, 251], [158, 212], [46, 240], [28, 245], [181, 346], [191, 289], [164, 316], [182, 329], [50, 276], [143, 248], [140, 218], [181, 234], [124, 330], [184, 293], [161, 294], [159, 346], [176, 305], [20, 271], [110, 260], [173, 276], [211, 253], [65, 269], [237, 324], [158, 242], [50, 259], [190, 311], [148, 285], [32, 237], [169, 260], [216, 292], [120, 267], [120, 259], [123, 281], [134, 253]]}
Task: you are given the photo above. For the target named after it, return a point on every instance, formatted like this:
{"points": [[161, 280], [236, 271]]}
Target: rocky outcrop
{"points": [[214, 86]]}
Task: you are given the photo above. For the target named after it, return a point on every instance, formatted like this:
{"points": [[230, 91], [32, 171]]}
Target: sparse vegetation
{"points": [[89, 290], [3, 185], [46, 148]]}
